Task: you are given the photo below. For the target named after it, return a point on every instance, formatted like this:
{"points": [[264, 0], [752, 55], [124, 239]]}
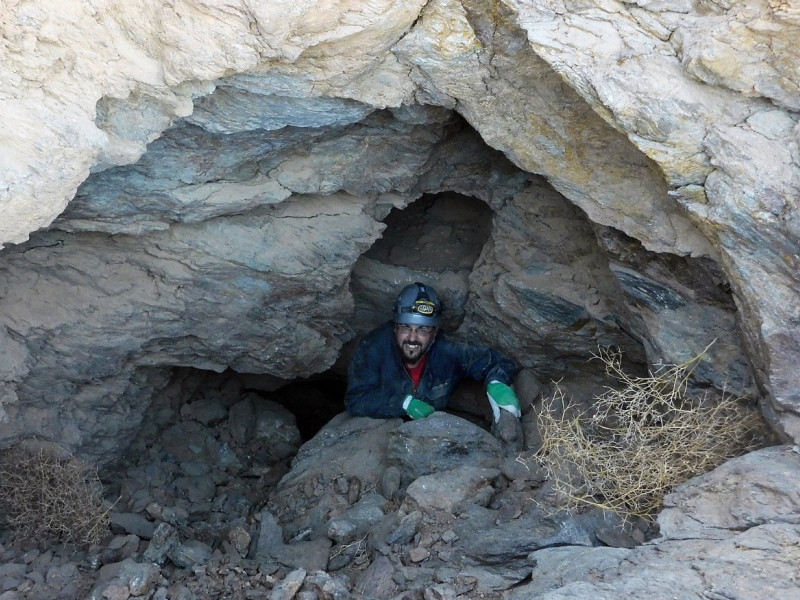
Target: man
{"points": [[406, 367]]}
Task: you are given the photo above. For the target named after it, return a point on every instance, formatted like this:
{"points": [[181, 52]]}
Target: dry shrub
{"points": [[636, 443], [47, 496]]}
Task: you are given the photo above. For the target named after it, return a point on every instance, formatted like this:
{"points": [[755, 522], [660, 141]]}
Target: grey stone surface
{"points": [[440, 443], [133, 523], [201, 192], [353, 447], [745, 492], [377, 581], [450, 490], [509, 544], [164, 539], [709, 544]]}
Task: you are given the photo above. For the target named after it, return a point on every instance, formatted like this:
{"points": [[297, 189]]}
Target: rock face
{"points": [[244, 187], [199, 187], [215, 499], [714, 543]]}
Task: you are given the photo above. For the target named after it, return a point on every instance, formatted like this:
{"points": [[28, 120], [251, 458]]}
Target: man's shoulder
{"points": [[451, 347], [382, 331]]}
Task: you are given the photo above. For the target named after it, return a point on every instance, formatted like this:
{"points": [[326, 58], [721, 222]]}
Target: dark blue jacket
{"points": [[377, 382]]}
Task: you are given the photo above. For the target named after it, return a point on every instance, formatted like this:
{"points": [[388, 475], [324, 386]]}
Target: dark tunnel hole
{"points": [[437, 233], [313, 401]]}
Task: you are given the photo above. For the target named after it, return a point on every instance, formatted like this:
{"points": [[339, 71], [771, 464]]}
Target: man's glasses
{"points": [[407, 329]]}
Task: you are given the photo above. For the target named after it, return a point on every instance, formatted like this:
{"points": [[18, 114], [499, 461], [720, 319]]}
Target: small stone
{"points": [[445, 555], [9, 583], [287, 588], [114, 591], [340, 561], [59, 576], [139, 577], [389, 484], [154, 509], [12, 570], [195, 468], [207, 411], [440, 592], [164, 538], [161, 594], [178, 591], [120, 548], [341, 531], [132, 523], [406, 530], [190, 553], [175, 515], [198, 490], [449, 536], [241, 421], [240, 539], [418, 554], [354, 490]]}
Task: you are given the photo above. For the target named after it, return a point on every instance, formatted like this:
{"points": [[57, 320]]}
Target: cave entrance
{"points": [[438, 232], [437, 239], [313, 401]]}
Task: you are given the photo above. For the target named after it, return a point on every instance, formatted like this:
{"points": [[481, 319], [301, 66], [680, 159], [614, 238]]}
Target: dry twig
{"points": [[49, 497], [639, 441]]}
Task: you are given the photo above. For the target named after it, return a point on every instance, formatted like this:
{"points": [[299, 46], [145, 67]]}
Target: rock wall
{"points": [[196, 184]]}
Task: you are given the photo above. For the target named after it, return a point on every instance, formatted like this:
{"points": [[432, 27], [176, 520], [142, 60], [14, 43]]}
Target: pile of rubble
{"points": [[220, 498]]}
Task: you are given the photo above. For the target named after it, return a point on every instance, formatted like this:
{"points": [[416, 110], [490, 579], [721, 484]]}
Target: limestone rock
{"points": [[700, 549], [439, 443], [198, 189], [449, 490], [743, 497]]}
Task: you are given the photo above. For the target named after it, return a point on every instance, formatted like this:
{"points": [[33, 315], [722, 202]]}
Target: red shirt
{"points": [[416, 372]]}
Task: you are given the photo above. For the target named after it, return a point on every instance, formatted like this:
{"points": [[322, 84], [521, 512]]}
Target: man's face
{"points": [[413, 341]]}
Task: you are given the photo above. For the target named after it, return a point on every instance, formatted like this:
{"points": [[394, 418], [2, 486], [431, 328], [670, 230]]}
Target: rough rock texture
{"points": [[180, 182], [214, 499], [732, 533], [199, 184]]}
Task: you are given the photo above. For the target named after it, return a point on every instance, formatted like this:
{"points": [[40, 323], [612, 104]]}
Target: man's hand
{"points": [[417, 409], [503, 397]]}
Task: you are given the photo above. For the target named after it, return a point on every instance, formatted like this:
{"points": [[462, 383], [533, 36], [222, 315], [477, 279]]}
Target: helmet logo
{"points": [[424, 307]]}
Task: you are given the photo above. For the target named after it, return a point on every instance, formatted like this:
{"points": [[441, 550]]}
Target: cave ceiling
{"points": [[259, 215]]}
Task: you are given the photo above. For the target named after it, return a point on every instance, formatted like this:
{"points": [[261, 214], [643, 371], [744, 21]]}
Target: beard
{"points": [[413, 351]]}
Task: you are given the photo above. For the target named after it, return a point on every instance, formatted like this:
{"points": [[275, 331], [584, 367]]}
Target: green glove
{"points": [[503, 397], [417, 409]]}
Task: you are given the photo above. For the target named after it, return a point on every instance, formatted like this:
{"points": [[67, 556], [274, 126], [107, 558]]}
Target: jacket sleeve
{"points": [[365, 395], [485, 365]]}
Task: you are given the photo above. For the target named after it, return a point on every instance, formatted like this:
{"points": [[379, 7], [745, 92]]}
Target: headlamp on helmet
{"points": [[418, 304]]}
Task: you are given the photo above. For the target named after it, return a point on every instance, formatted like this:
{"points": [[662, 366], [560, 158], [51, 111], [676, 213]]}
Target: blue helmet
{"points": [[418, 304]]}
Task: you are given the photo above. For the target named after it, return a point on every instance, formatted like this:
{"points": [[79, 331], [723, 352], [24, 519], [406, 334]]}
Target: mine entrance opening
{"points": [[313, 401], [438, 232], [436, 239]]}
